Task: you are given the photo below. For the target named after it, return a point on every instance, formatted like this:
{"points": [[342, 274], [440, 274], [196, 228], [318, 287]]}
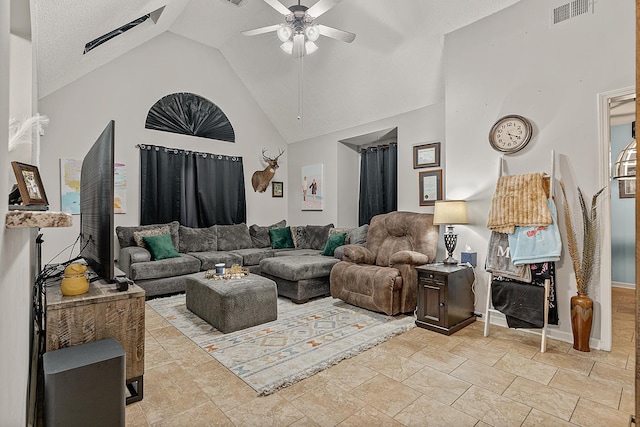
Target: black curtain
{"points": [[378, 181], [196, 189]]}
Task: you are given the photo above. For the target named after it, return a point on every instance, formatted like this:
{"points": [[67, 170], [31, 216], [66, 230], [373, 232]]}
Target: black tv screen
{"points": [[96, 205]]}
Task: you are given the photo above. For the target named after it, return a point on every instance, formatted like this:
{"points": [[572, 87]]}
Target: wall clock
{"points": [[510, 133]]}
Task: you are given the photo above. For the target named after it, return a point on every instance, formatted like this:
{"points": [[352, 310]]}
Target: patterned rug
{"points": [[306, 338]]}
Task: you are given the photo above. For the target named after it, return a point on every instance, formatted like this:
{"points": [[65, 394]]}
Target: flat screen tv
{"points": [[96, 205]]}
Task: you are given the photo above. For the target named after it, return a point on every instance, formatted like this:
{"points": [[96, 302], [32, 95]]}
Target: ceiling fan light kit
{"points": [[298, 32]]}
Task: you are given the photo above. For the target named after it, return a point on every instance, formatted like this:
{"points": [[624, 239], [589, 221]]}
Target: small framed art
{"points": [[426, 155], [277, 189], [430, 187], [627, 188], [29, 184]]}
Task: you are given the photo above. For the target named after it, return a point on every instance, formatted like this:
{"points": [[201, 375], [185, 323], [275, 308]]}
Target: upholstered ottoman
{"points": [[233, 304], [299, 277]]}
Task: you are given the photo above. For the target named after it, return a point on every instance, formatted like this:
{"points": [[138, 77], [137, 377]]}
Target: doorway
{"points": [[613, 110]]}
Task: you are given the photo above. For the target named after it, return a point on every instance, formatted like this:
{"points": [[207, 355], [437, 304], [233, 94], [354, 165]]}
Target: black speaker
{"points": [[85, 385]]}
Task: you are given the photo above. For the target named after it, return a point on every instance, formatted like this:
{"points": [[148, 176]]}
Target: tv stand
{"points": [[103, 312]]}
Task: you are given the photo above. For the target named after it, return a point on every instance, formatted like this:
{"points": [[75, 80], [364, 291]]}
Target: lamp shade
{"points": [[450, 212], [625, 164]]}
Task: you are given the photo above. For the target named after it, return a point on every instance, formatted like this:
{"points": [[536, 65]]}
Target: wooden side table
{"points": [[445, 297], [101, 313]]}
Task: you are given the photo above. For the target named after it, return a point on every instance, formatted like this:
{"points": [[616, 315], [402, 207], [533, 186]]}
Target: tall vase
{"points": [[581, 321]]}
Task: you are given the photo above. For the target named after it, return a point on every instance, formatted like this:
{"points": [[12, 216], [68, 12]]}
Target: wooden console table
{"points": [[101, 313]]}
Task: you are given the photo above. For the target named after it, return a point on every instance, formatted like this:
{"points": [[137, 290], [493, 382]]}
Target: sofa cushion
{"points": [[234, 236], [333, 242], [139, 236], [160, 246], [125, 234], [358, 235], [198, 239], [253, 256], [281, 238], [312, 236], [296, 268], [209, 259], [296, 252], [260, 234], [340, 231], [184, 264]]}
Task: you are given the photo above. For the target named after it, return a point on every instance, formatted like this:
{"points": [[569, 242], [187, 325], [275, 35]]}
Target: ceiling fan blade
{"points": [[321, 7], [298, 45], [262, 30], [337, 34], [278, 6]]}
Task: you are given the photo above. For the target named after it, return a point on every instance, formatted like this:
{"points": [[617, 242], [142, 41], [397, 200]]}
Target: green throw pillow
{"points": [[161, 246], [281, 238], [333, 242]]}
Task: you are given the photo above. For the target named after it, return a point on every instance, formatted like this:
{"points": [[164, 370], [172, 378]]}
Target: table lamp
{"points": [[450, 212]]}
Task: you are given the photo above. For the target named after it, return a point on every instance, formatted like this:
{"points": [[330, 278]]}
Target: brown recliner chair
{"points": [[382, 276]]}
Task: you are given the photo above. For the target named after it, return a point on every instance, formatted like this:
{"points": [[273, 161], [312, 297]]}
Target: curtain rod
{"points": [[187, 152], [376, 147]]}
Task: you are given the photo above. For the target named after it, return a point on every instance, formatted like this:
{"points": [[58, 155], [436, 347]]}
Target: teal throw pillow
{"points": [[281, 238], [161, 246], [333, 242]]}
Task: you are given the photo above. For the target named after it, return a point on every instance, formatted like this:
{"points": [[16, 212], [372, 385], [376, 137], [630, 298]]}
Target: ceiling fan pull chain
{"points": [[300, 90]]}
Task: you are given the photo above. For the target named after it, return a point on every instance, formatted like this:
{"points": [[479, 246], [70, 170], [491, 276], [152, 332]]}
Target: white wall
{"points": [[514, 62], [124, 90], [341, 166], [15, 255]]}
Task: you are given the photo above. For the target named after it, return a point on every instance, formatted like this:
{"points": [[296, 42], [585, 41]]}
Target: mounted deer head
{"points": [[261, 179]]}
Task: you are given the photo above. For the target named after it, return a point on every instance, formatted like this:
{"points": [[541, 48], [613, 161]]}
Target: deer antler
{"points": [[266, 159], [281, 152]]}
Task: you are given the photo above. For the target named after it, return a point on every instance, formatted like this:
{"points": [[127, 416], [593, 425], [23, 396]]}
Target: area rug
{"points": [[306, 338]]}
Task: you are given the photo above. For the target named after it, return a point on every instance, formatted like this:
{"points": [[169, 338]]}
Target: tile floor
{"points": [[419, 378]]}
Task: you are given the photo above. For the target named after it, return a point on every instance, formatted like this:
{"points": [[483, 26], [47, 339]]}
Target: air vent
{"points": [[570, 10], [153, 16]]}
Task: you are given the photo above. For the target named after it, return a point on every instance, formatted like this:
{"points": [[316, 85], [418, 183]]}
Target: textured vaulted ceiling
{"points": [[393, 66]]}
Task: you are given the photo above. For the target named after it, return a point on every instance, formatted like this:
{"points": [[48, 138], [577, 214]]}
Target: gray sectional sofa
{"points": [[298, 277]]}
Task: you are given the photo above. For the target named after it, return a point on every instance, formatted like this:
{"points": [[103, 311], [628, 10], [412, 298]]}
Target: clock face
{"points": [[510, 134]]}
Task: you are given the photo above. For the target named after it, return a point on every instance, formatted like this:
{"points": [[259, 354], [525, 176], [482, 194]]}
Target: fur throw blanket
{"points": [[518, 200]]}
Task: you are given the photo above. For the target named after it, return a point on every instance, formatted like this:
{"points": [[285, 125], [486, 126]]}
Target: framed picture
{"points": [[29, 184], [430, 187], [312, 188], [277, 189], [627, 188], [426, 155]]}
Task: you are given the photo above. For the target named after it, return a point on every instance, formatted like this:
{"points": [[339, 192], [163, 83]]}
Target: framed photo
{"points": [[277, 189], [29, 184], [426, 155], [312, 188], [627, 188], [430, 187]]}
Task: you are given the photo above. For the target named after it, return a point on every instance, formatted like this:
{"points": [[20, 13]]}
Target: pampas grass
{"points": [[585, 257]]}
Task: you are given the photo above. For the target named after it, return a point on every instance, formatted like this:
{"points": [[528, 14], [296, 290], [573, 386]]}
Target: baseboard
{"points": [[623, 285], [498, 319]]}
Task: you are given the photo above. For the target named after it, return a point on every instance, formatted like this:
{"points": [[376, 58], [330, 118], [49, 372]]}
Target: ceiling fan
{"points": [[299, 32]]}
